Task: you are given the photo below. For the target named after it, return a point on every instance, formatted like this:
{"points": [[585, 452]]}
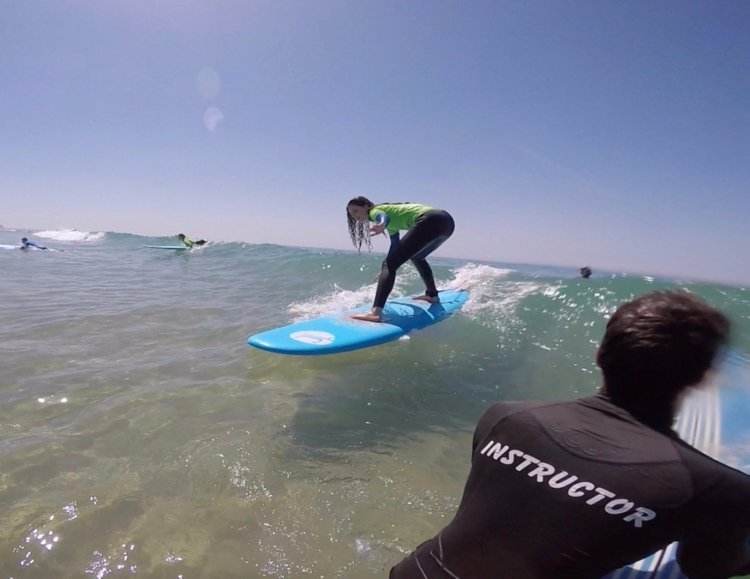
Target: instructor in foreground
{"points": [[573, 490]]}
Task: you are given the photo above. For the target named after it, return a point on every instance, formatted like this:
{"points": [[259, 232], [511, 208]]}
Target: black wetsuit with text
{"points": [[578, 489]]}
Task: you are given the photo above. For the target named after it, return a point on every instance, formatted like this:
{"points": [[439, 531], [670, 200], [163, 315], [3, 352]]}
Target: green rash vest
{"points": [[401, 216]]}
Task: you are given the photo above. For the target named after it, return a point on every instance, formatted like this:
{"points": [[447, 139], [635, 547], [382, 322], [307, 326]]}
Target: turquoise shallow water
{"points": [[140, 435]]}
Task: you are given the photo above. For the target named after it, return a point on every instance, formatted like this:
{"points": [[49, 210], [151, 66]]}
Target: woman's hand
{"points": [[377, 229]]}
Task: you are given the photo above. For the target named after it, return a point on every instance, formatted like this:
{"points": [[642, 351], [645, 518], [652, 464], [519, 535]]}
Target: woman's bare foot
{"points": [[374, 315], [426, 298]]}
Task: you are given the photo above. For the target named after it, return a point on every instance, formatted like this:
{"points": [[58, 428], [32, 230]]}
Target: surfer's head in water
{"points": [[655, 347], [358, 216]]}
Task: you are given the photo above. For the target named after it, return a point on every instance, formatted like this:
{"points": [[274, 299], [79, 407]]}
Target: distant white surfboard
{"points": [[30, 248]]}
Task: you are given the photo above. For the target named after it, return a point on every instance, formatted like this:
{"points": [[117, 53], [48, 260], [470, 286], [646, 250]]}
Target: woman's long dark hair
{"points": [[359, 231]]}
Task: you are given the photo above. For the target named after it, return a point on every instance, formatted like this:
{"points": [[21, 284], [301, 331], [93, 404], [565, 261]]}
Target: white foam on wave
{"points": [[339, 300], [473, 277], [71, 235], [493, 299]]}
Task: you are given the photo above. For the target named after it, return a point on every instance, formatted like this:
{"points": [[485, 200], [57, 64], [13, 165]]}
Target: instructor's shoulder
{"points": [[501, 410]]}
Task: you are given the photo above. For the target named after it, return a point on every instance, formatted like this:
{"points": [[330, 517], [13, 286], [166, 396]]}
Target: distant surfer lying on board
{"points": [[26, 244], [189, 242], [574, 490], [426, 230]]}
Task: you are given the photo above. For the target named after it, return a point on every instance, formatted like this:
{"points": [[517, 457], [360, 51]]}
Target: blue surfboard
{"points": [[339, 332], [713, 420]]}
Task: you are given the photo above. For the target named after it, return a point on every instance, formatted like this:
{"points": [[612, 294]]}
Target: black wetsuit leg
{"points": [[427, 234]]}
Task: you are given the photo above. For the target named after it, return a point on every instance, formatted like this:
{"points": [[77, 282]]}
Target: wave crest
{"points": [[71, 235]]}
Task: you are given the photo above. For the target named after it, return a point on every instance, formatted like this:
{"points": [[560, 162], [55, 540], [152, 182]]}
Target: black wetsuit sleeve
{"points": [[710, 559], [720, 547]]}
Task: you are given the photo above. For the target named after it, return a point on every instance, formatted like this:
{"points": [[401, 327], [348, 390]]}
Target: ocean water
{"points": [[141, 436]]}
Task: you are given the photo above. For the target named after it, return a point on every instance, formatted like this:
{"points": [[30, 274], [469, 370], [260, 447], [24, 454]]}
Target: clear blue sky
{"points": [[605, 133]]}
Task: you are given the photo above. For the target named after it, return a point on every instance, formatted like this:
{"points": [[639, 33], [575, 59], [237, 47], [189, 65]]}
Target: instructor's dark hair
{"points": [[359, 231], [657, 345]]}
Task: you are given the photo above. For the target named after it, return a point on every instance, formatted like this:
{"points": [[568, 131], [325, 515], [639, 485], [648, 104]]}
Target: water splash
{"points": [[71, 235]]}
